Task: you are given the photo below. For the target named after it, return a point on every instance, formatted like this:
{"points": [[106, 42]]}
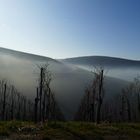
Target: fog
{"points": [[123, 73], [68, 80]]}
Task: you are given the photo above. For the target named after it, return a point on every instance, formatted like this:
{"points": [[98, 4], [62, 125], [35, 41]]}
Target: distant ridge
{"points": [[25, 55], [106, 61], [102, 60], [103, 56]]}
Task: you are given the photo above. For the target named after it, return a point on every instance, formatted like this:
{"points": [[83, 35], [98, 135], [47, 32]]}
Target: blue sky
{"points": [[69, 28]]}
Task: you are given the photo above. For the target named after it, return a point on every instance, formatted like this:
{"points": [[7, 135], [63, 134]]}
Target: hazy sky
{"points": [[67, 28]]}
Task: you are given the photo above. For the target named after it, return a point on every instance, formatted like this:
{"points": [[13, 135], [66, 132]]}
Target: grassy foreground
{"points": [[14, 130]]}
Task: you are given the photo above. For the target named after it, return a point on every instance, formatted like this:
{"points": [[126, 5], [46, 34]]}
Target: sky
{"points": [[71, 28]]}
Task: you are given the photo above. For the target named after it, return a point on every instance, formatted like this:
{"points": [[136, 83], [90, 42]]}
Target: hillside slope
{"points": [[116, 67], [68, 82], [104, 61]]}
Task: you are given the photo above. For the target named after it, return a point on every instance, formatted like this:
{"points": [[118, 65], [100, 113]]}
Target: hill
{"points": [[104, 61], [68, 82], [116, 67]]}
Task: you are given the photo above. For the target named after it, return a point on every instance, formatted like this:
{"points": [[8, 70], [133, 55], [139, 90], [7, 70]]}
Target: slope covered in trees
{"points": [[68, 81]]}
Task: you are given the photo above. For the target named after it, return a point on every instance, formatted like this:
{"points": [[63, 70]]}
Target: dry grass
{"points": [[69, 131]]}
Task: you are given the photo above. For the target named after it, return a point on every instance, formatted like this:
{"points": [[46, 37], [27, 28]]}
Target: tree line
{"points": [[91, 103], [16, 106], [124, 107], [46, 107]]}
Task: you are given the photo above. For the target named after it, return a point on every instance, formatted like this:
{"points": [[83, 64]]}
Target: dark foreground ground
{"points": [[14, 130]]}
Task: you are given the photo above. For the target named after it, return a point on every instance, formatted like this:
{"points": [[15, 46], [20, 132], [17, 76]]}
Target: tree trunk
{"points": [[43, 108], [4, 103], [100, 97], [24, 109], [48, 103], [128, 110], [12, 104], [41, 87], [36, 106]]}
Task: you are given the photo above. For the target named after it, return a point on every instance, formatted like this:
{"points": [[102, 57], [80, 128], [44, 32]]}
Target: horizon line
{"points": [[80, 56]]}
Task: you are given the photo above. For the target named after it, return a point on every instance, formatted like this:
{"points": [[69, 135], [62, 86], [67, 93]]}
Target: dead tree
{"points": [[94, 87], [24, 108], [137, 92], [127, 94], [92, 100], [4, 102], [139, 104], [30, 110], [48, 104], [13, 105], [88, 105], [44, 85], [41, 89], [83, 111], [100, 98], [12, 102], [44, 105], [122, 111], [18, 106], [36, 106], [55, 112]]}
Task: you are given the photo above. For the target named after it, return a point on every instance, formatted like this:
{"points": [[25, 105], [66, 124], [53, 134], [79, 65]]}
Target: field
{"points": [[14, 130]]}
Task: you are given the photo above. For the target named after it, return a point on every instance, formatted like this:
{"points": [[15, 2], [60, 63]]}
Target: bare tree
{"points": [[90, 107], [41, 89], [45, 94], [36, 105], [100, 77], [13, 105], [12, 102], [4, 102]]}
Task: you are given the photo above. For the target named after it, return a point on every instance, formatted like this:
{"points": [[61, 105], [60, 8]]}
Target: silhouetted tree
{"points": [[4, 102], [36, 106], [100, 75], [90, 107], [45, 95]]}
